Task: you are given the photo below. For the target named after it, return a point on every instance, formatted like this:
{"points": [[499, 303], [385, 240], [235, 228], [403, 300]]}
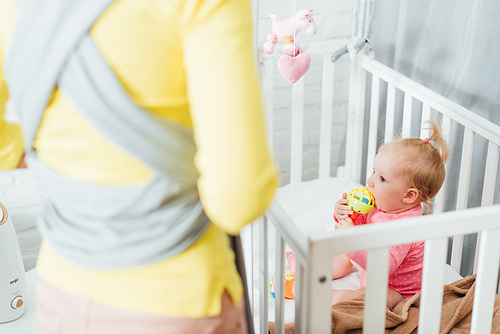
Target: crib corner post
{"points": [[319, 276], [349, 147]]}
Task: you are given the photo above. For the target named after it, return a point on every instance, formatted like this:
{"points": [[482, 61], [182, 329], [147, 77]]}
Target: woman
{"points": [[144, 125]]}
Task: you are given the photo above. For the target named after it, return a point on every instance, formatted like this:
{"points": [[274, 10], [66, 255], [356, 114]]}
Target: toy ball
{"points": [[361, 201]]}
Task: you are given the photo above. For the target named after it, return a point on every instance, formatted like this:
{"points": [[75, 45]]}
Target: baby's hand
{"points": [[342, 210], [344, 223]]}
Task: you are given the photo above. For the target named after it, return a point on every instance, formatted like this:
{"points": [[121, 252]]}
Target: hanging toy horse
{"points": [[283, 29], [294, 63]]}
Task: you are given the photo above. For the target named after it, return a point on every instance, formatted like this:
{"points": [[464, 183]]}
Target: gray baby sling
{"points": [[95, 225]]}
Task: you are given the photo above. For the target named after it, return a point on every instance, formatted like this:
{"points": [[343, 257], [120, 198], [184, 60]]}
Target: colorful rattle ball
{"points": [[361, 201]]}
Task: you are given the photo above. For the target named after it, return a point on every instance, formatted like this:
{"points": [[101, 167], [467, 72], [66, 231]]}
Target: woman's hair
{"points": [[422, 162]]}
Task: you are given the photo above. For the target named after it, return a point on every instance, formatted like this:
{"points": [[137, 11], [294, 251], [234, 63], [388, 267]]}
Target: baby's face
{"points": [[388, 184]]}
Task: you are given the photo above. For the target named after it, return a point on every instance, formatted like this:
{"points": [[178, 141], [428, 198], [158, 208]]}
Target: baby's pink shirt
{"points": [[405, 261]]}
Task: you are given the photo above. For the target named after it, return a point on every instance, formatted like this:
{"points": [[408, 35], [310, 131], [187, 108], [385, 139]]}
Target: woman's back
{"points": [[190, 63]]}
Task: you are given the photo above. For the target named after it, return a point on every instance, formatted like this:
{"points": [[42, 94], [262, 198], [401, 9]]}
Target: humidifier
{"points": [[12, 277]]}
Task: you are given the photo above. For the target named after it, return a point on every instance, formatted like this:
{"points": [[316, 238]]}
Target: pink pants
{"points": [[59, 312]]}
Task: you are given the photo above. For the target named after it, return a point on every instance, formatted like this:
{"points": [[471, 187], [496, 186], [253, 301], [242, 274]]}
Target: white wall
{"points": [[334, 24]]}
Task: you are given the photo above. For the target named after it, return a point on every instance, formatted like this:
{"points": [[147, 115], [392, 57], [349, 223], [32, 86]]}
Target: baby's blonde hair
{"points": [[422, 163]]}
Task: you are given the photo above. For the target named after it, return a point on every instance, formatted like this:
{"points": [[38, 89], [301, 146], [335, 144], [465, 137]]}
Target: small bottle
{"points": [[12, 276]]}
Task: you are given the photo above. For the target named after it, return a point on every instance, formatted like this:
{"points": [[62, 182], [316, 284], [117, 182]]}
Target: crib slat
{"points": [[407, 113], [488, 187], [486, 281], [426, 115], [319, 273], [376, 291], [462, 195], [300, 305], [465, 168], [439, 199], [247, 241], [347, 170], [279, 286], [447, 123], [263, 276], [432, 285], [355, 117], [325, 143], [476, 254], [456, 252], [359, 116], [490, 174], [389, 115], [268, 91], [297, 131], [372, 134]]}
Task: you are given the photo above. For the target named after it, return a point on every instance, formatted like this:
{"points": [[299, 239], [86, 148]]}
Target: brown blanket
{"points": [[456, 314]]}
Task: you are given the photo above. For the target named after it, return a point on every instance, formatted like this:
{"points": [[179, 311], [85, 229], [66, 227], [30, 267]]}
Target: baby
{"points": [[406, 173]]}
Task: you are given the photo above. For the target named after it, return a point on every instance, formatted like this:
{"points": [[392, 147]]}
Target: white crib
{"points": [[372, 85]]}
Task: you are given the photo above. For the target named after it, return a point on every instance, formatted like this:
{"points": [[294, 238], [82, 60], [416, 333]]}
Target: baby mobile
{"points": [[294, 63]]}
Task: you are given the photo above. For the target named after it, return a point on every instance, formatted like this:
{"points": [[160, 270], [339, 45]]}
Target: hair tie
{"points": [[426, 140]]}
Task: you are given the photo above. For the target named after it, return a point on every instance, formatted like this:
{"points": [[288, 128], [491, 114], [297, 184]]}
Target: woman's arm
{"points": [[237, 176], [11, 142]]}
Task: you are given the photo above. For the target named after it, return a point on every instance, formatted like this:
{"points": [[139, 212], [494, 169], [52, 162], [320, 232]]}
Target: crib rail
{"points": [[381, 103], [451, 115], [377, 239], [431, 99], [434, 106]]}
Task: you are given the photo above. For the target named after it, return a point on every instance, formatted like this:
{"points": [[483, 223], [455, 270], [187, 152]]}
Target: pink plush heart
{"points": [[293, 68]]}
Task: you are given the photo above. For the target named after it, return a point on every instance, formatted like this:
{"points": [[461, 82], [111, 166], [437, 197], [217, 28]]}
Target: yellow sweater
{"points": [[11, 144], [191, 62]]}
